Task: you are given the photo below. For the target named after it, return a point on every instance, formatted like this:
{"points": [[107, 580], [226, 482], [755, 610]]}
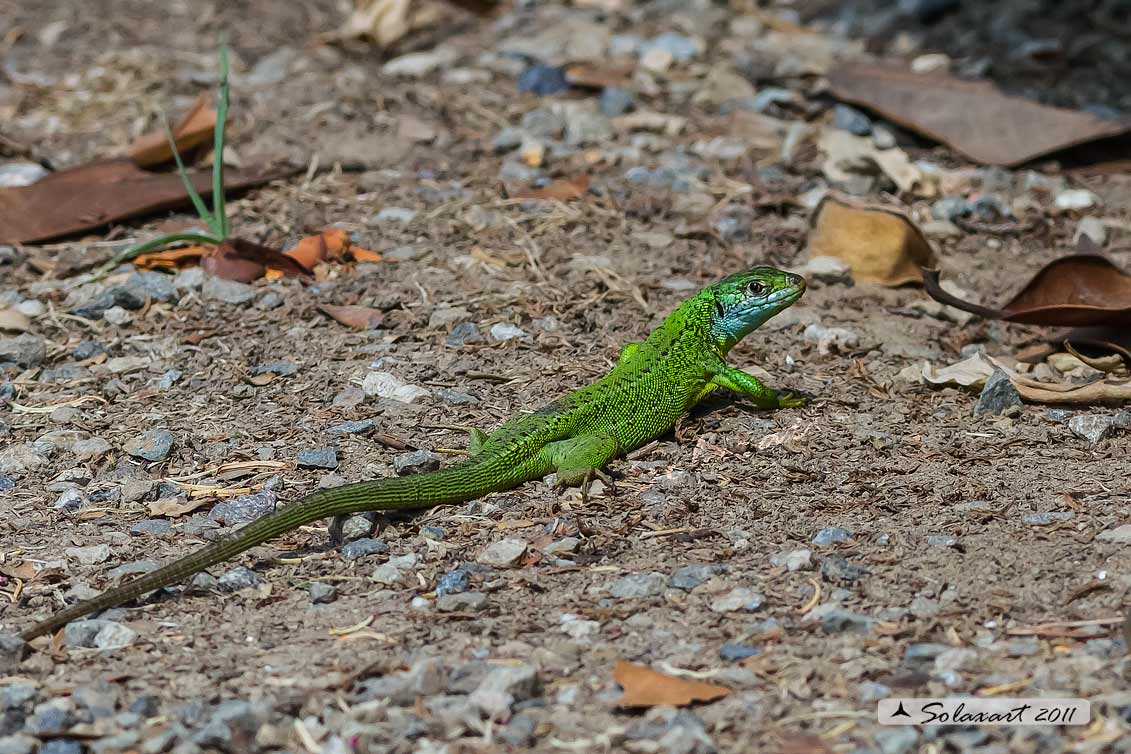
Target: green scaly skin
{"points": [[653, 385]]}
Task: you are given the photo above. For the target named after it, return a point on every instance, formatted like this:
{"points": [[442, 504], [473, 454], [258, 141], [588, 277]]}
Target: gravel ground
{"points": [[884, 540]]}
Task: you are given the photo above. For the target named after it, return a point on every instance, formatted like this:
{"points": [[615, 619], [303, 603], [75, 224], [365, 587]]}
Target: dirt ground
{"points": [[928, 591]]}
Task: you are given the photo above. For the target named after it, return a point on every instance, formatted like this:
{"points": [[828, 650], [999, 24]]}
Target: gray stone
{"points": [[358, 427], [132, 568], [151, 445], [638, 586], [681, 47], [870, 692], [89, 555], [202, 583], [70, 501], [51, 718], [12, 650], [243, 509], [521, 729], [117, 316], [831, 535], [836, 569], [1092, 228], [506, 331], [615, 101], [503, 687], [18, 744], [923, 652], [584, 128], [1092, 427], [271, 68], [322, 594], [17, 696], [400, 215], [114, 636], [1120, 535], [154, 527], [416, 462], [88, 349], [734, 223], [189, 279], [999, 396], [852, 120], [738, 599], [454, 397], [360, 548], [507, 139], [455, 581], [464, 333], [86, 450], [424, 679], [238, 578], [20, 459], [393, 571], [735, 652], [941, 540], [689, 577], [897, 740], [318, 458], [419, 64], [835, 619], [169, 378], [25, 350], [277, 368], [1046, 518], [502, 554], [61, 746], [226, 291], [22, 173], [463, 602], [154, 285], [951, 208]]}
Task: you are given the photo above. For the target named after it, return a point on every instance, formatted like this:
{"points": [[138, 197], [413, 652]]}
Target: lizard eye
{"points": [[756, 288]]}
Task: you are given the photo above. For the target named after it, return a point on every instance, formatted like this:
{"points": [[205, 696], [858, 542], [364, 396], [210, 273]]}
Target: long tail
{"points": [[454, 485]]}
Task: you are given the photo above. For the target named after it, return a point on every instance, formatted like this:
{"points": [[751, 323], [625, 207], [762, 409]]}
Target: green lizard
{"points": [[653, 384]]}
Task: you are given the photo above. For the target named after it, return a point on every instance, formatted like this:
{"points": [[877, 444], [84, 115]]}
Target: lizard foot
{"points": [[789, 400], [583, 477]]}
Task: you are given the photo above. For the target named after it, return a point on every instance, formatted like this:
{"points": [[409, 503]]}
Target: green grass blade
{"points": [[132, 252], [219, 211], [197, 202]]}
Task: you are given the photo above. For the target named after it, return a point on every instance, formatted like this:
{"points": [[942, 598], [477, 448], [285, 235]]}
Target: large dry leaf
{"points": [[1078, 290], [644, 687], [357, 317], [100, 193], [194, 129], [972, 117], [880, 244]]}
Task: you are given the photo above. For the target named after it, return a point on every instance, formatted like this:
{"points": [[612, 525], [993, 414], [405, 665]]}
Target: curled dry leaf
{"points": [[562, 190], [644, 687], [357, 317], [195, 128], [245, 261], [972, 117], [1078, 290], [171, 258], [880, 244], [971, 372]]}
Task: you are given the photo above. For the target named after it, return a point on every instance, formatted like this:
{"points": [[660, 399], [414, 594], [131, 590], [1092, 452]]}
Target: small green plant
{"points": [[217, 218]]}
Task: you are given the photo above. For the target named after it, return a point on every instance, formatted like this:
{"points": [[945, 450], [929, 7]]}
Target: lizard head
{"points": [[742, 302]]}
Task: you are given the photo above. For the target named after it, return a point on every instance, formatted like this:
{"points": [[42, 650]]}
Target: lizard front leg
{"points": [[579, 459], [750, 386]]}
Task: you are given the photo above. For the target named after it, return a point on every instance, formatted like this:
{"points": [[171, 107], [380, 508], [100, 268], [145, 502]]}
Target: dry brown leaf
{"points": [[644, 687], [594, 76], [195, 128], [1052, 392], [880, 244], [98, 193], [562, 190], [13, 320], [172, 507], [1077, 290], [357, 317], [972, 117], [847, 155]]}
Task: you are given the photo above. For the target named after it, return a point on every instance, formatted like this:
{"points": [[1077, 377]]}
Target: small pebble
{"points": [[471, 602], [322, 594], [506, 331], [416, 462], [455, 581], [360, 548], [151, 445], [638, 586], [1044, 519], [831, 535], [1092, 427], [358, 427], [543, 80], [736, 652], [502, 554], [238, 578], [318, 458], [1070, 199], [738, 599]]}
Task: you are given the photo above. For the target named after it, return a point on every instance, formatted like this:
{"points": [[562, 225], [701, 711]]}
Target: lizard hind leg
{"points": [[579, 459]]}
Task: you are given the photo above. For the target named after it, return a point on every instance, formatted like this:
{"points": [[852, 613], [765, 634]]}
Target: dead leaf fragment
{"points": [[357, 317], [332, 243], [970, 372], [171, 258], [563, 190], [172, 507], [1078, 290], [597, 76], [644, 687], [880, 244], [972, 117], [847, 155], [196, 127]]}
